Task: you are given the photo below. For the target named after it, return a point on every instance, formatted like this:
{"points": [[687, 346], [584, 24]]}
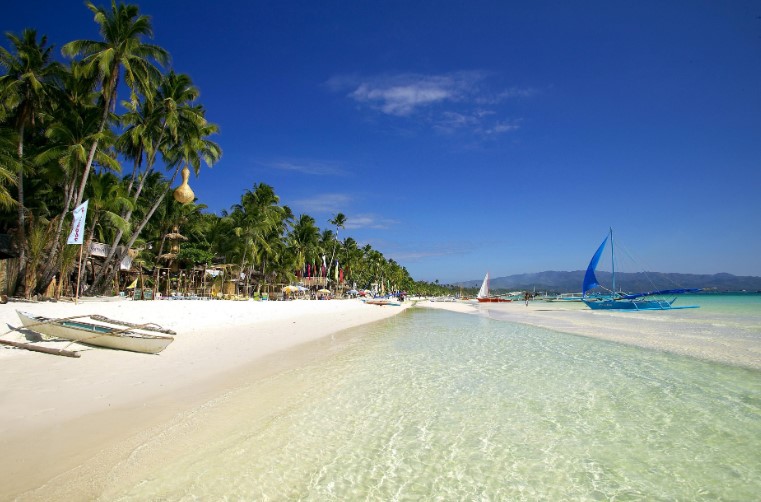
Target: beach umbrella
{"points": [[290, 289], [352, 292], [323, 290]]}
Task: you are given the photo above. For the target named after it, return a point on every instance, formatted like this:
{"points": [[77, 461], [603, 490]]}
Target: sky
{"points": [[465, 137]]}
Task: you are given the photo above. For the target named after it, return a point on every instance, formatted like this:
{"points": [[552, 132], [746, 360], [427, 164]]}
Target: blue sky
{"points": [[465, 137]]}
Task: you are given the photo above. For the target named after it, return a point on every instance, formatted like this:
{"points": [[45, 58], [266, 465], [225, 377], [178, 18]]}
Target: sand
{"points": [[56, 412]]}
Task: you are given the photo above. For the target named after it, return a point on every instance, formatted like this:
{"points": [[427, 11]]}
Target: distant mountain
{"points": [[570, 282]]}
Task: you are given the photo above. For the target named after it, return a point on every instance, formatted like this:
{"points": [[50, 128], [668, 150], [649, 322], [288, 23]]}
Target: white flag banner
{"points": [[78, 225]]}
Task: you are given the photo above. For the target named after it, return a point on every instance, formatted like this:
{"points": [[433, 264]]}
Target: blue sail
{"points": [[590, 281]]}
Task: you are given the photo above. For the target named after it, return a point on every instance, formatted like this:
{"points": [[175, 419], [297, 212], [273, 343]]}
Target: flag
{"points": [[78, 225], [336, 276]]}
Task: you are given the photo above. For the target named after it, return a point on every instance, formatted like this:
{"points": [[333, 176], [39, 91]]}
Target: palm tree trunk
{"points": [[103, 120], [53, 263], [21, 233]]}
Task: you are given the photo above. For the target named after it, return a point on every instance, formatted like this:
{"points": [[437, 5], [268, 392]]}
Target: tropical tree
{"points": [[73, 128], [25, 95], [147, 121], [122, 28], [259, 222], [187, 144], [304, 238], [339, 221], [7, 168]]}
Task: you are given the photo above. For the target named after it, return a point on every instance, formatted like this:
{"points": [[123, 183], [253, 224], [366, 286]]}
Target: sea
{"points": [[438, 405]]}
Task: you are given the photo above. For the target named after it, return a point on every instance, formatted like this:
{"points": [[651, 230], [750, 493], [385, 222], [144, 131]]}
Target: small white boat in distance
{"points": [[99, 335], [485, 297]]}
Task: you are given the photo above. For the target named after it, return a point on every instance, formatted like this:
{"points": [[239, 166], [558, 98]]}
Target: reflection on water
{"points": [[431, 404]]}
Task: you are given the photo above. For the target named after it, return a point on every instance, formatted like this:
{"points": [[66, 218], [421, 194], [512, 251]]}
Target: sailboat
{"points": [[620, 301], [483, 293]]}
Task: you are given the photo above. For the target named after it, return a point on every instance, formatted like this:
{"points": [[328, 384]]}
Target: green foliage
{"points": [[194, 256], [74, 138]]}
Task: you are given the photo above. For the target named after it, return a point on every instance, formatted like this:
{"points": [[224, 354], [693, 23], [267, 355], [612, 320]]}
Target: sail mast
{"points": [[612, 261]]}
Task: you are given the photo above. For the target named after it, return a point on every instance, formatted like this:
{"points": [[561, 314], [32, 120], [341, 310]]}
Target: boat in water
{"points": [[621, 301], [565, 297], [100, 335], [483, 293]]}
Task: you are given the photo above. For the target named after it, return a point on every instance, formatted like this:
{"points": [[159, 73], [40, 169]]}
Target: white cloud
{"points": [[305, 167], [357, 221], [405, 94], [450, 102], [324, 203]]}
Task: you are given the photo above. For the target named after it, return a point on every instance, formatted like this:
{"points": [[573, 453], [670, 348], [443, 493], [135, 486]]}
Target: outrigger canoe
{"points": [[99, 335]]}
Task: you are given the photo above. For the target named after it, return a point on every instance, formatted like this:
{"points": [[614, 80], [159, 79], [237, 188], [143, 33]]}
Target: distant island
{"points": [[569, 282]]}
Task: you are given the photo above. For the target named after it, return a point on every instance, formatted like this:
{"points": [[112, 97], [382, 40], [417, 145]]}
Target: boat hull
{"points": [[383, 302], [624, 304], [493, 300], [96, 335]]}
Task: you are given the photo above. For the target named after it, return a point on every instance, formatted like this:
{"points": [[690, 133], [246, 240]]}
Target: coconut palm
{"points": [[339, 220], [191, 146], [25, 94], [258, 219], [304, 238], [155, 123], [69, 135], [122, 28], [7, 167]]}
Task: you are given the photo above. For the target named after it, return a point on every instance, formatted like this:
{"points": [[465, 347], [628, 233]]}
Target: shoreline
{"points": [[653, 330], [58, 413]]}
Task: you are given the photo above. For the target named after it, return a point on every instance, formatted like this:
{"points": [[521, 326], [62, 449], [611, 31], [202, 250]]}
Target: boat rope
{"points": [[148, 326]]}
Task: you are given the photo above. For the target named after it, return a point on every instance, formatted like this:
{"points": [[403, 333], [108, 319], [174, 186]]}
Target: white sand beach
{"points": [[56, 412]]}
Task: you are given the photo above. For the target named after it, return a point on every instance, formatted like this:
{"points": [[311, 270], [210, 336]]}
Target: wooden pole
{"points": [[79, 274], [46, 350]]}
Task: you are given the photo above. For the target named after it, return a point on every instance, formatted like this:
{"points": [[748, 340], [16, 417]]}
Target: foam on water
{"points": [[436, 405]]}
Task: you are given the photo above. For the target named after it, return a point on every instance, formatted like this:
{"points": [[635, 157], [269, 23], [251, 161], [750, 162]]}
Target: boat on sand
{"points": [[383, 301], [127, 337]]}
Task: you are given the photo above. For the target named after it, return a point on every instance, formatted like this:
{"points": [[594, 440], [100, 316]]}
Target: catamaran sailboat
{"points": [[621, 301]]}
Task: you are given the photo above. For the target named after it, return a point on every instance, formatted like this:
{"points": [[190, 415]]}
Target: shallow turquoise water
{"points": [[432, 405]]}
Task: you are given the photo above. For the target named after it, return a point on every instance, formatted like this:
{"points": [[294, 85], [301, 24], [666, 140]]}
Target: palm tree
{"points": [[154, 123], [74, 128], [304, 239], [339, 220], [190, 148], [7, 167], [258, 219], [122, 28], [24, 96]]}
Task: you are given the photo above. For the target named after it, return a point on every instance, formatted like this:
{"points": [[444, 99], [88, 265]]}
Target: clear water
{"points": [[432, 405]]}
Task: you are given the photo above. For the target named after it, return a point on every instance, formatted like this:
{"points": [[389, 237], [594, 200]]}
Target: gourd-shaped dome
{"points": [[183, 193]]}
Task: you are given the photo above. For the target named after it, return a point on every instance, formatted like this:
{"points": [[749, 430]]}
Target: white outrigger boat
{"points": [[100, 335]]}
